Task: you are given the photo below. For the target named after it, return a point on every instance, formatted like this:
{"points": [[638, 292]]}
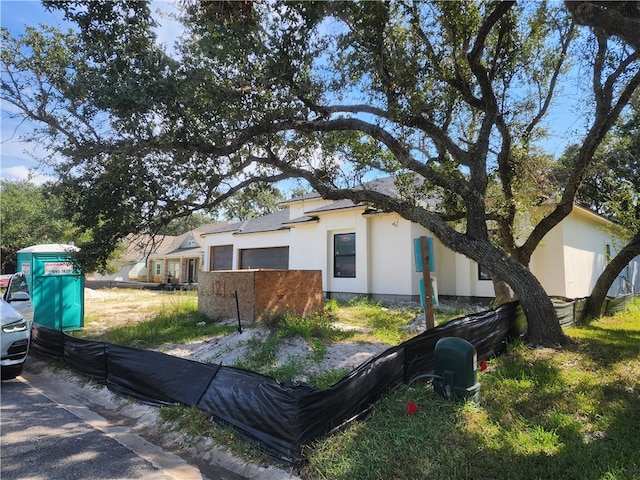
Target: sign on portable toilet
{"points": [[57, 288]]}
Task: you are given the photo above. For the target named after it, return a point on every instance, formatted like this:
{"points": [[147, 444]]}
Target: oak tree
{"points": [[448, 98]]}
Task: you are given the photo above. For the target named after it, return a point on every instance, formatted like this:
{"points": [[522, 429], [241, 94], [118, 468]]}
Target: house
{"points": [[162, 259], [572, 256], [362, 251]]}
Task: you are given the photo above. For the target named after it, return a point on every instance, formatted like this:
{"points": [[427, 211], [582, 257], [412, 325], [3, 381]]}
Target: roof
{"points": [[266, 223], [49, 248], [384, 185], [139, 246], [280, 220]]}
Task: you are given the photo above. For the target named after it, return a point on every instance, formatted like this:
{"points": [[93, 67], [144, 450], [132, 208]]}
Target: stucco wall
{"points": [[391, 256], [584, 253]]}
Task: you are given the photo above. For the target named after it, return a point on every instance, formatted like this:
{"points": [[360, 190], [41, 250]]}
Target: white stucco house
{"points": [[361, 251]]}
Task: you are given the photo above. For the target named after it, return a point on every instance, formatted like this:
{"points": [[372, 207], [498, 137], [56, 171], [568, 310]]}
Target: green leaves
{"points": [[30, 216]]}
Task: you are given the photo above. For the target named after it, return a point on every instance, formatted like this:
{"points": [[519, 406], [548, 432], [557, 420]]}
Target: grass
{"points": [[572, 413], [195, 424], [317, 330], [175, 320], [567, 414]]}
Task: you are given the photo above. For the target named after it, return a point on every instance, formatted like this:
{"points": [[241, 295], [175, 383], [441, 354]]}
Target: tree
{"points": [[612, 189], [181, 225], [620, 19], [444, 97], [29, 216], [254, 201]]}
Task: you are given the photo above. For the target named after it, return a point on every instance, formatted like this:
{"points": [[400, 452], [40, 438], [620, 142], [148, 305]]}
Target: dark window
{"points": [[276, 258], [483, 273], [18, 283], [221, 258], [344, 255]]}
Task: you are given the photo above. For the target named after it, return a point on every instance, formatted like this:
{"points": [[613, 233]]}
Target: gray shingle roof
{"points": [[266, 223]]}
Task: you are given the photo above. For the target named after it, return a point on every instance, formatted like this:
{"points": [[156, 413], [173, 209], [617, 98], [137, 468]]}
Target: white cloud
{"points": [[22, 172]]}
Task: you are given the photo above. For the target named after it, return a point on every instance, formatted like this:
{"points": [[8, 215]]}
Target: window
{"points": [[221, 258], [607, 253], [344, 255], [483, 273], [157, 268], [17, 283]]}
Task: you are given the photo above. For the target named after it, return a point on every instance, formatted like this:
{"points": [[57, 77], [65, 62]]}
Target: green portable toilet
{"points": [[56, 287]]}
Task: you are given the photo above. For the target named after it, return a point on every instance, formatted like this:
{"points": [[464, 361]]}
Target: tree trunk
{"points": [[501, 290], [543, 327], [593, 307]]}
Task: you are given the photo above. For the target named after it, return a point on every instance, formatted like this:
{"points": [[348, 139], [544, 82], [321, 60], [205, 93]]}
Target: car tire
{"points": [[11, 371]]}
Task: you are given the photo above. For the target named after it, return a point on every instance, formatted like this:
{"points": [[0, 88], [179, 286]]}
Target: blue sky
{"points": [[19, 159]]}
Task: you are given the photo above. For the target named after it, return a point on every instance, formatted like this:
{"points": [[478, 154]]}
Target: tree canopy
{"points": [[449, 98], [30, 216]]}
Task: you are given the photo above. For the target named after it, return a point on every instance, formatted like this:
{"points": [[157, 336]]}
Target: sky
{"points": [[19, 159]]}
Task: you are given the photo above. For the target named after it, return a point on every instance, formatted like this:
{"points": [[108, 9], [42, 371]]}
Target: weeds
{"points": [[177, 321]]}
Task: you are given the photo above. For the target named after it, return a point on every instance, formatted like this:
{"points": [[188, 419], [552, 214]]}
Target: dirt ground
{"points": [[108, 308]]}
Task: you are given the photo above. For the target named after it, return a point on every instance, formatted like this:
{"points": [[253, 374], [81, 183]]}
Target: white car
{"points": [[16, 316]]}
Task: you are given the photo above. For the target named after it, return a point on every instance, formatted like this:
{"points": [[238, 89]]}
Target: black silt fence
{"points": [[280, 417]]}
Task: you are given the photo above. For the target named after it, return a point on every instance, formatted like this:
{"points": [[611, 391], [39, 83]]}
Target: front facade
{"points": [[164, 259], [361, 251]]}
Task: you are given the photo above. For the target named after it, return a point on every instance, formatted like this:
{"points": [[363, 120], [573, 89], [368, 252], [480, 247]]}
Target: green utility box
{"points": [[456, 367], [57, 288]]}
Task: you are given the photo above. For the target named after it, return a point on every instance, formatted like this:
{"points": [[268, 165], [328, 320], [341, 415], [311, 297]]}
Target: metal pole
{"points": [[426, 279], [238, 311]]}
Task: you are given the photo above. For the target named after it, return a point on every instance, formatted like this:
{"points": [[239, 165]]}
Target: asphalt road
{"points": [[53, 429], [42, 440]]}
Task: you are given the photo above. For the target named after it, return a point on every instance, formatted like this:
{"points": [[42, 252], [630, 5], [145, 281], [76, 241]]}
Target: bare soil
{"points": [[109, 308]]}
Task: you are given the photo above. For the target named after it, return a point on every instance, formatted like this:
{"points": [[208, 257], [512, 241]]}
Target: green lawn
{"points": [[545, 414]]}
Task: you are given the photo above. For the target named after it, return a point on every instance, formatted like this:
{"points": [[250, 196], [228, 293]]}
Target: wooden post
{"points": [[426, 278]]}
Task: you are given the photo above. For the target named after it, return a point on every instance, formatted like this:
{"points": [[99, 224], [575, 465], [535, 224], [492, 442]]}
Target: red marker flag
{"points": [[411, 408]]}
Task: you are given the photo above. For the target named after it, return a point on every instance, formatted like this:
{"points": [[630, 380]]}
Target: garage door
{"points": [[276, 258]]}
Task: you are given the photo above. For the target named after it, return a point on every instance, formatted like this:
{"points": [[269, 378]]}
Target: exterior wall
{"points": [[585, 254], [138, 272], [567, 262], [121, 275], [392, 270], [632, 274], [385, 266], [548, 263], [309, 249], [457, 276], [244, 241], [572, 256], [299, 208]]}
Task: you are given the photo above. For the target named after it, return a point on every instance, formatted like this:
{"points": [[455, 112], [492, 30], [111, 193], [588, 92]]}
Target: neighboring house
{"points": [[162, 259], [362, 251]]}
